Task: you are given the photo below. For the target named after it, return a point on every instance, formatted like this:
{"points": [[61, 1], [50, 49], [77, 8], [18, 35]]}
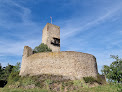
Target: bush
{"points": [[25, 81], [41, 48], [77, 83], [13, 77], [89, 80], [5, 72], [101, 79]]}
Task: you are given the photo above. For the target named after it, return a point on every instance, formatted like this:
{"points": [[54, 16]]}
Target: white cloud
{"points": [[26, 30], [73, 28], [16, 48]]}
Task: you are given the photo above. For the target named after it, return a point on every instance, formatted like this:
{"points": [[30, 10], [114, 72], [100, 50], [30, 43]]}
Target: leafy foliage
{"points": [[89, 79], [14, 76], [114, 71], [25, 81], [9, 74], [100, 79], [77, 83], [41, 48], [16, 68], [5, 72]]}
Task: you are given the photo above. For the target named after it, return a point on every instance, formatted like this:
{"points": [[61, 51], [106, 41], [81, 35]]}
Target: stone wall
{"points": [[74, 65], [50, 32]]}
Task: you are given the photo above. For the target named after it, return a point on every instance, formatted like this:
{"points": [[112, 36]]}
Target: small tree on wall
{"points": [[41, 48]]}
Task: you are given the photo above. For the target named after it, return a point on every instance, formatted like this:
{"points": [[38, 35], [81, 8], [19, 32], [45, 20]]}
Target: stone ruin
{"points": [[70, 64]]}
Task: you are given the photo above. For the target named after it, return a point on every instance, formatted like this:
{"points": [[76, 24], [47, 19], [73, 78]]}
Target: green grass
{"points": [[22, 90], [54, 83], [101, 88], [105, 88]]}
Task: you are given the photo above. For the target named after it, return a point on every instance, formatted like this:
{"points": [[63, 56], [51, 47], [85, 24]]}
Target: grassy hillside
{"points": [[55, 83], [101, 88]]}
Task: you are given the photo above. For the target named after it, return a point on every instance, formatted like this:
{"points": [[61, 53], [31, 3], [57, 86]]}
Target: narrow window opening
{"points": [[56, 42]]}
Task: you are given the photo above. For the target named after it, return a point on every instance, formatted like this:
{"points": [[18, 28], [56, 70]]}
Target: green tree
{"points": [[5, 72], [14, 76], [16, 68], [41, 48], [1, 71], [114, 71], [0, 68]]}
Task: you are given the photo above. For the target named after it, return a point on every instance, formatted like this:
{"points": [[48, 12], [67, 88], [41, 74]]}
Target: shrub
{"points": [[77, 83], [27, 81], [89, 79], [5, 72], [41, 48], [47, 83], [101, 79], [13, 77]]}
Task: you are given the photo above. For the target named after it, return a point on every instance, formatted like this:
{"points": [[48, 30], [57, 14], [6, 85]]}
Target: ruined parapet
{"points": [[51, 36], [26, 53], [73, 65]]}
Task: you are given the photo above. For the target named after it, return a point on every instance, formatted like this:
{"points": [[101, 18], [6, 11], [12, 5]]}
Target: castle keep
{"points": [[70, 64], [51, 36]]}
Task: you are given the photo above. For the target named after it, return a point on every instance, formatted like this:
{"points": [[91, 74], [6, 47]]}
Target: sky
{"points": [[88, 26]]}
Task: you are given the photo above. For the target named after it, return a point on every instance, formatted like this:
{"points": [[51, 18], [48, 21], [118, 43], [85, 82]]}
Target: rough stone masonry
{"points": [[70, 64], [51, 36]]}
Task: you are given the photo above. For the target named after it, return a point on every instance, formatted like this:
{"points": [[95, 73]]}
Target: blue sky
{"points": [[89, 26]]}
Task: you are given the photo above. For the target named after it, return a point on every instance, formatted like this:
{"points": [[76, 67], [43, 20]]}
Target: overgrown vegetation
{"points": [[53, 83], [5, 71], [22, 90], [101, 88], [114, 71], [89, 80], [8, 73], [41, 48], [92, 80], [4, 74]]}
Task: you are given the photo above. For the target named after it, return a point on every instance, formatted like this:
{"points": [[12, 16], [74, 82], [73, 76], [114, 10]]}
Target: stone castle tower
{"points": [[51, 36], [70, 64]]}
